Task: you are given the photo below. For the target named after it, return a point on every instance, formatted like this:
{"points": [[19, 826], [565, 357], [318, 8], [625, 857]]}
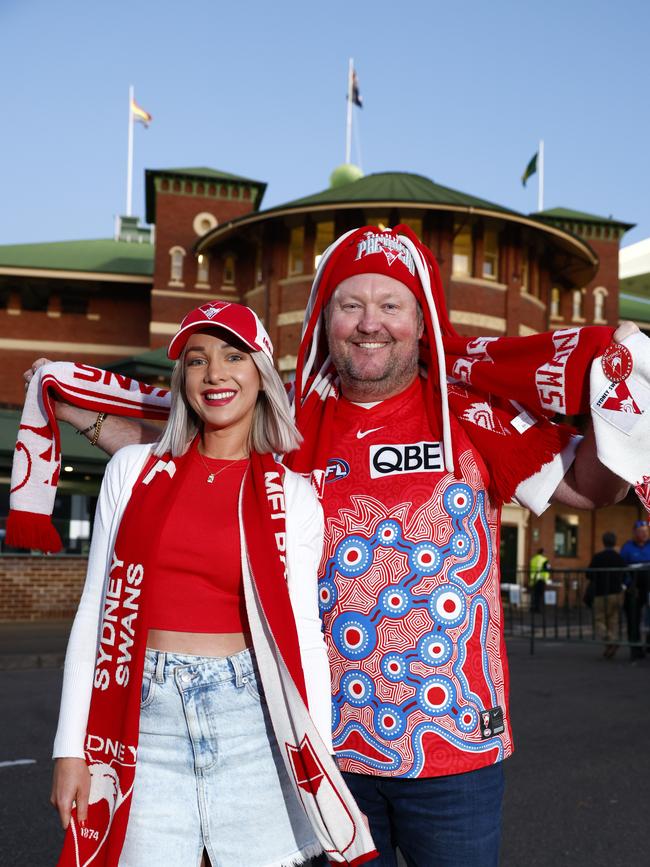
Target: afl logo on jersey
{"points": [[388, 460], [337, 469]]}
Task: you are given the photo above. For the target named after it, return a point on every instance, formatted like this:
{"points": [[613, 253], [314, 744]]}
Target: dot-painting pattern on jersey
{"points": [[410, 602]]}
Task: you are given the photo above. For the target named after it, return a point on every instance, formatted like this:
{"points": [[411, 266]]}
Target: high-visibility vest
{"points": [[539, 569]]}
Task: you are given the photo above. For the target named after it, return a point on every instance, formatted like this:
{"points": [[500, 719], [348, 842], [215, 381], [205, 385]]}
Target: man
{"points": [[540, 576], [605, 591], [409, 586], [635, 552]]}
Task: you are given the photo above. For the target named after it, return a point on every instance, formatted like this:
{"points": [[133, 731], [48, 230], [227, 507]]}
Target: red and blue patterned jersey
{"points": [[409, 595]]}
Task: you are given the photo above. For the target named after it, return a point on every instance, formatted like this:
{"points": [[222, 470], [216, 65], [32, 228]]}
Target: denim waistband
{"points": [[161, 664]]}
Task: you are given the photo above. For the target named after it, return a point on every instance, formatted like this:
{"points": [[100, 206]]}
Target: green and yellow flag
{"points": [[531, 169]]}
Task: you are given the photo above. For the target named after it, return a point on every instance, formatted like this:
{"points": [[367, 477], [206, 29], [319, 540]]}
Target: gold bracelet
{"points": [[98, 427]]}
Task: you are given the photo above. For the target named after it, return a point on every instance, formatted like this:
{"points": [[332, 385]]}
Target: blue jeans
{"points": [[209, 772], [452, 821]]}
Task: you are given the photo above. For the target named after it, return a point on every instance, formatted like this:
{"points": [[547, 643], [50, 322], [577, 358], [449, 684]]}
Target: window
{"points": [[324, 237], [203, 268], [414, 224], [296, 248], [380, 220], [258, 265], [524, 271], [600, 294], [34, 297], [462, 251], [533, 278], [566, 535], [490, 254], [74, 302], [229, 271], [177, 255], [203, 222], [576, 305], [555, 303]]}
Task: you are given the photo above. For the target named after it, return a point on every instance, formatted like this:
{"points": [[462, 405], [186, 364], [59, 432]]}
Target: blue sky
{"points": [[459, 92]]}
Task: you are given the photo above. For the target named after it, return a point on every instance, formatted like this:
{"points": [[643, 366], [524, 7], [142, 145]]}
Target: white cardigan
{"points": [[304, 524]]}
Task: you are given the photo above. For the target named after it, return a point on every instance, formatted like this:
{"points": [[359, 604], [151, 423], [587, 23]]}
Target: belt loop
{"points": [[240, 678], [159, 676]]}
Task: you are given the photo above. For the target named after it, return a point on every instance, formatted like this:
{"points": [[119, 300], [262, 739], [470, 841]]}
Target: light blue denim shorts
{"points": [[209, 772]]}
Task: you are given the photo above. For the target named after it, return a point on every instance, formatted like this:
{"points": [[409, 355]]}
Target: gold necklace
{"points": [[212, 476]]}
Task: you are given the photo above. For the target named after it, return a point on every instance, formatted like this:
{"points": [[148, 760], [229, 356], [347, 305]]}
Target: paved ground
{"points": [[578, 786]]}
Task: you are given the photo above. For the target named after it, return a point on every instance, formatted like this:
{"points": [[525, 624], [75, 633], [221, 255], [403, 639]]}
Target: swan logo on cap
{"points": [[211, 311], [391, 247]]}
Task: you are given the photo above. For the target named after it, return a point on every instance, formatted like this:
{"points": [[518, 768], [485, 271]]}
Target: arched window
{"points": [[600, 294], [296, 251], [202, 269], [462, 251], [490, 254], [576, 305], [177, 255], [555, 303], [229, 271]]}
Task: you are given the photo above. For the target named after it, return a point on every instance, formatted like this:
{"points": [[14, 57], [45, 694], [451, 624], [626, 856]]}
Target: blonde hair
{"points": [[272, 429]]}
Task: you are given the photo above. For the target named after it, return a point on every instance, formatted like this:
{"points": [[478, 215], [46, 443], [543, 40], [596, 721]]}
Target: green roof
{"points": [[105, 256], [74, 448], [571, 216], [197, 173], [392, 187]]}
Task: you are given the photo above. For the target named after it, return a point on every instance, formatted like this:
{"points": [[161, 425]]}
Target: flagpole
{"points": [[348, 125], [129, 165], [540, 177]]}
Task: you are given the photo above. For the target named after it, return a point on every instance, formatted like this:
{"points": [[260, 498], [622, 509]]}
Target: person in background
{"points": [[540, 576], [605, 592], [635, 552]]}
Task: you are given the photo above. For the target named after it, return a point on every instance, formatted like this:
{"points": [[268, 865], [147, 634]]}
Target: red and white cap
{"points": [[240, 321]]}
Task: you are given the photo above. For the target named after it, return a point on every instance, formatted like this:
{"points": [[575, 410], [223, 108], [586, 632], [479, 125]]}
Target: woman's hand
{"points": [[70, 784], [28, 375], [64, 411]]}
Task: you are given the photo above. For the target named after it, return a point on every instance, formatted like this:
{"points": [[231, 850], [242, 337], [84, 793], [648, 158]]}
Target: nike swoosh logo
{"points": [[364, 433]]}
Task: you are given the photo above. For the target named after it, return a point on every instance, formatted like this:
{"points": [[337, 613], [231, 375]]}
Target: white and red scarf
{"points": [[113, 721], [499, 387]]}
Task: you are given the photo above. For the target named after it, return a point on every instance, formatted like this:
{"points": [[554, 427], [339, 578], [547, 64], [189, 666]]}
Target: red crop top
{"points": [[197, 585]]}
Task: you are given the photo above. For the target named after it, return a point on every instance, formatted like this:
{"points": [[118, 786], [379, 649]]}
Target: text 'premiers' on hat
{"points": [[239, 320]]}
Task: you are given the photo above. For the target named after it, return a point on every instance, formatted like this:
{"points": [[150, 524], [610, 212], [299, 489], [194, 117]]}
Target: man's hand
{"points": [[70, 785], [625, 329], [589, 484]]}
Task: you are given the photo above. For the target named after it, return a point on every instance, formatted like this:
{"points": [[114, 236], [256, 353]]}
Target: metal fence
{"points": [[609, 606]]}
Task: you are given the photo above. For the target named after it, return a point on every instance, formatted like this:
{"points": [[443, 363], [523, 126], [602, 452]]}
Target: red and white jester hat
{"points": [[240, 321], [396, 253]]}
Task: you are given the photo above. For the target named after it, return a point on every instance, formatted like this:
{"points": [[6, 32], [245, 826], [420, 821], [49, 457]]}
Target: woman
{"points": [[166, 571]]}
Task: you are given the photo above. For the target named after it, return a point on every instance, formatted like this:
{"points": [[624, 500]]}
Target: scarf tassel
{"points": [[32, 531]]}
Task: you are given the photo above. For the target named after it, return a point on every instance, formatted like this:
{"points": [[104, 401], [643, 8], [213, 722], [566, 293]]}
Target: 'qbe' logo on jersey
{"points": [[390, 460]]}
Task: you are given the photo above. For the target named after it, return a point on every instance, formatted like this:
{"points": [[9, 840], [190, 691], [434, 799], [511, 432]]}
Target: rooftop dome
{"points": [[345, 174]]}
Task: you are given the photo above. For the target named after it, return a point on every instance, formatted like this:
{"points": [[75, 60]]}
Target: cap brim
{"points": [[181, 337]]}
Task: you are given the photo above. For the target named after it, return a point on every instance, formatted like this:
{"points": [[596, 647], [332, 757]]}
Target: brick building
{"points": [[114, 303]]}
